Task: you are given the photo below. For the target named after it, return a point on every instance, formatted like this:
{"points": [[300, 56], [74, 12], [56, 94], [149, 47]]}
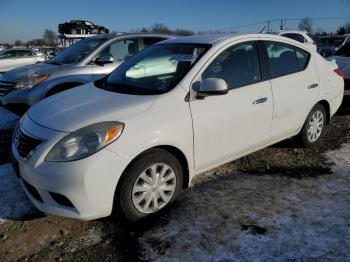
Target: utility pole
{"points": [[268, 26], [281, 26]]}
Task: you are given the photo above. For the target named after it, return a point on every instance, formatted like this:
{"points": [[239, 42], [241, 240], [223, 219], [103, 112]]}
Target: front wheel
{"points": [[313, 127], [151, 183]]}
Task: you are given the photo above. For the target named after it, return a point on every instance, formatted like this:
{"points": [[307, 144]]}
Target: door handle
{"points": [[312, 86], [260, 100]]}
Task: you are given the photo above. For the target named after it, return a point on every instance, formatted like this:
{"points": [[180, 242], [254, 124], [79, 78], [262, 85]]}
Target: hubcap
{"points": [[315, 126], [154, 188]]}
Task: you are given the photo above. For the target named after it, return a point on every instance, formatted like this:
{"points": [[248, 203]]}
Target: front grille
{"points": [[6, 87], [26, 144]]}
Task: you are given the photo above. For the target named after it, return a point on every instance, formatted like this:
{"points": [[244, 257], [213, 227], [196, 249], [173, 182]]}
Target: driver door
{"points": [[120, 50], [228, 126]]}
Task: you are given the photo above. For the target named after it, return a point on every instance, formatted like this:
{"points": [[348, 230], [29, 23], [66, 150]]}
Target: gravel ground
{"points": [[281, 203]]}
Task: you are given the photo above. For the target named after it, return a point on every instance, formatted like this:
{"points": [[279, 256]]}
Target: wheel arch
{"points": [[180, 156], [62, 87], [327, 107]]}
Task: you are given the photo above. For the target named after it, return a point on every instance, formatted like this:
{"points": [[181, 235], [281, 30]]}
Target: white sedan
{"points": [[134, 142], [16, 57]]}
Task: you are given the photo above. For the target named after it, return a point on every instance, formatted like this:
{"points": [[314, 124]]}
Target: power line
{"points": [[282, 20]]}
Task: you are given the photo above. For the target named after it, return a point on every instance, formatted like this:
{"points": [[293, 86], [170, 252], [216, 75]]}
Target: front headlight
{"points": [[85, 141], [32, 81]]}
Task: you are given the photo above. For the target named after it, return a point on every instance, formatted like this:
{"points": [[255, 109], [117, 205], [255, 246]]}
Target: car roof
{"points": [[117, 35], [291, 32], [199, 39], [18, 48], [217, 38]]}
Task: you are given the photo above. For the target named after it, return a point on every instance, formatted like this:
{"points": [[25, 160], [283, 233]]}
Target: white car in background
{"points": [[342, 58], [134, 141], [300, 36], [16, 57]]}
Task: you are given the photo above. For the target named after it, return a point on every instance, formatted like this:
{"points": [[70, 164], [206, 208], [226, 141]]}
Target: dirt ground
{"points": [[281, 203]]}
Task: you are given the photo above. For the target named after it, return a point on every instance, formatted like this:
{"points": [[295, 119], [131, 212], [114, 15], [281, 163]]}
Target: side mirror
{"points": [[105, 59], [211, 87]]}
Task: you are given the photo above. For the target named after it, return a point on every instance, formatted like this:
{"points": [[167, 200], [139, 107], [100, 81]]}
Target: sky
{"points": [[24, 20]]}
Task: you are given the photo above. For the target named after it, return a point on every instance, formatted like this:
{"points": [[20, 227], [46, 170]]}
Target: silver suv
{"points": [[85, 61]]}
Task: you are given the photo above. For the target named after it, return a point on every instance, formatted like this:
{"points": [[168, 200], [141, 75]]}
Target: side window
{"points": [[121, 50], [302, 57], [147, 41], [8, 54], [24, 53], [238, 65], [296, 37], [282, 59]]}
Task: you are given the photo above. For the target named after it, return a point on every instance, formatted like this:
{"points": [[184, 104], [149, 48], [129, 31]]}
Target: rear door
{"points": [[295, 86]]}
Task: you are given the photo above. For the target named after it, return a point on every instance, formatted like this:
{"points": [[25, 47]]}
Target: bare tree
{"points": [[160, 28], [341, 30], [306, 24], [50, 38], [18, 43], [347, 28]]}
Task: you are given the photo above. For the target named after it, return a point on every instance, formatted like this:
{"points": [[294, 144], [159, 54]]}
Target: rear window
{"points": [[286, 59], [296, 37]]}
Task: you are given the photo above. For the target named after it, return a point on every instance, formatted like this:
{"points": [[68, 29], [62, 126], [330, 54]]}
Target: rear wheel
{"points": [[151, 183], [313, 127]]}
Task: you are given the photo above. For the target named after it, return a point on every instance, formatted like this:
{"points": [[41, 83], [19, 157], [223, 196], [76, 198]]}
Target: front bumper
{"points": [[19, 96], [82, 189]]}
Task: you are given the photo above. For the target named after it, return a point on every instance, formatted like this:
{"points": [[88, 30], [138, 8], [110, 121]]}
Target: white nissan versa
{"points": [[137, 137]]}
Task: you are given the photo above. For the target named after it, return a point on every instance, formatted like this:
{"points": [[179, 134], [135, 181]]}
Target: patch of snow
{"points": [[8, 120], [93, 237], [14, 204], [304, 219]]}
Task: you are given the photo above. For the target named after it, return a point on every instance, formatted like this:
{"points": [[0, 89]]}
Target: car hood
{"points": [[86, 105], [25, 72]]}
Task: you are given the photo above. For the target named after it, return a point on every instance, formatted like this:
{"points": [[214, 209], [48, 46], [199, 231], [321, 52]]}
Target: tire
{"points": [[132, 202], [314, 126]]}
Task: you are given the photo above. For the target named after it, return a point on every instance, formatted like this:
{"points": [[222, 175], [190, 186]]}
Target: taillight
{"points": [[339, 72]]}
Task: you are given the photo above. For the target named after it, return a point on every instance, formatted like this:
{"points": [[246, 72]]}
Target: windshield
{"points": [[156, 70], [77, 52], [332, 41], [343, 51]]}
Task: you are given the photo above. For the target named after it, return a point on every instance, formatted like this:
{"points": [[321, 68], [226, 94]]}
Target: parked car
{"points": [[135, 142], [85, 61], [81, 27], [16, 57], [342, 58], [330, 44], [50, 52], [300, 36]]}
